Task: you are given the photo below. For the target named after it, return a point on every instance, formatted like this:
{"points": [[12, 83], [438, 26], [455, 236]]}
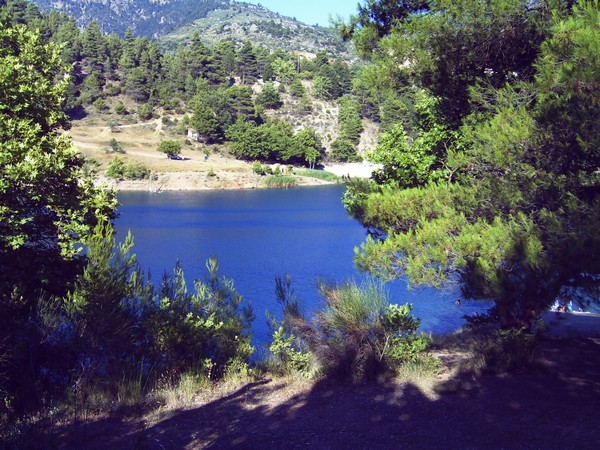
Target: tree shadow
{"points": [[555, 406]]}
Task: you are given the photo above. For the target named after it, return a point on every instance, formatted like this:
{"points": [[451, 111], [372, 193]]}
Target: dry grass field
{"points": [[203, 168]]}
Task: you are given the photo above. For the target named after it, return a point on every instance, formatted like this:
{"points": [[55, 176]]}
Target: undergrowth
{"points": [[280, 181], [318, 174]]}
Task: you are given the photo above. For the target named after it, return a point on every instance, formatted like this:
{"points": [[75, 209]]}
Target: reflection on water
{"points": [[259, 234]]}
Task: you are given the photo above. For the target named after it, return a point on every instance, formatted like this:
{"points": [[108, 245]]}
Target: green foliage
{"points": [[130, 170], [273, 141], [258, 168], [145, 111], [169, 147], [114, 147], [120, 109], [517, 159], [246, 64], [308, 144], [100, 309], [186, 329], [323, 87], [318, 174], [375, 19], [280, 181], [349, 119], [344, 150], [100, 105], [506, 351], [47, 203], [344, 146], [286, 358], [297, 88], [284, 70], [356, 334], [269, 97]]}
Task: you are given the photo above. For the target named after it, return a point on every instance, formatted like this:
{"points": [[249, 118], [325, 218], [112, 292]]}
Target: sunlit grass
{"points": [[318, 174], [278, 181]]}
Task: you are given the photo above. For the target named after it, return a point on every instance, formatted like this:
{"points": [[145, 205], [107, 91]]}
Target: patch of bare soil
{"points": [[554, 406]]}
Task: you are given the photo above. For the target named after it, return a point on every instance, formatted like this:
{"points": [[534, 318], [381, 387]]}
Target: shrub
{"points": [[136, 171], [343, 150], [286, 357], [357, 334], [100, 105], [297, 89], [114, 147], [131, 170], [120, 109], [269, 97], [258, 168], [199, 332], [318, 174], [506, 351], [280, 181], [145, 111]]}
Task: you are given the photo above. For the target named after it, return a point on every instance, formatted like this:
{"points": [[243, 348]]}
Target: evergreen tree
{"points": [[269, 97], [93, 49], [247, 67], [515, 216]]}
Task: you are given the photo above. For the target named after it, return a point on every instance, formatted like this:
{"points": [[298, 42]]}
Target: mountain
{"points": [[150, 18], [242, 21], [174, 22]]}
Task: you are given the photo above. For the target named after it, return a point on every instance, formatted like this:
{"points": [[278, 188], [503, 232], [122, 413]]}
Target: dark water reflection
{"points": [[259, 234]]}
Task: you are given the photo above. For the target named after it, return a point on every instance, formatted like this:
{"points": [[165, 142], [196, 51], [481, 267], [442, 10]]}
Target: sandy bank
{"points": [[221, 179]]}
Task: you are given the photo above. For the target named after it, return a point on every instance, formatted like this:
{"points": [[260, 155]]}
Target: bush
{"points": [[318, 174], [269, 97], [199, 332], [258, 168], [280, 181], [286, 358], [357, 334], [343, 150], [120, 109], [506, 351], [145, 111], [100, 105], [131, 170], [114, 147]]}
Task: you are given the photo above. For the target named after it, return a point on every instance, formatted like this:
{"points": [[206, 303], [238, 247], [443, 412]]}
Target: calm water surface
{"points": [[259, 234]]}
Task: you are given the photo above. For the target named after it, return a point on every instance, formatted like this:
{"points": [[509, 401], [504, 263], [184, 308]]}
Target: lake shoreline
{"points": [[226, 180]]}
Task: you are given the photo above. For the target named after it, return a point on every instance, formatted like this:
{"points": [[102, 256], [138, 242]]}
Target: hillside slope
{"points": [[150, 18], [175, 21], [242, 21]]}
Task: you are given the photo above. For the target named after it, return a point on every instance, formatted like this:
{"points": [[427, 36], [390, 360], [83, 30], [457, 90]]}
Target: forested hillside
{"points": [[149, 18], [176, 21], [209, 88]]}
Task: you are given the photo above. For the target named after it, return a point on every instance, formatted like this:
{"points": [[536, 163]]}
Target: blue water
{"points": [[259, 234]]}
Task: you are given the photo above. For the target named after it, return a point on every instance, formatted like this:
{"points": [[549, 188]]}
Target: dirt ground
{"points": [[554, 406], [203, 167]]}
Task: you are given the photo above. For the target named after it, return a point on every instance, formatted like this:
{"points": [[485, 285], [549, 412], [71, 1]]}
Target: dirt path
{"points": [[553, 407]]}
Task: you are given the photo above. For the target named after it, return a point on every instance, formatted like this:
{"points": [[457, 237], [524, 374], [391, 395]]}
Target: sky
{"points": [[310, 12]]}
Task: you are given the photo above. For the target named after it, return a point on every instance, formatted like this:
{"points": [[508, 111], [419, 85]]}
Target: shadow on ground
{"points": [[555, 407]]}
